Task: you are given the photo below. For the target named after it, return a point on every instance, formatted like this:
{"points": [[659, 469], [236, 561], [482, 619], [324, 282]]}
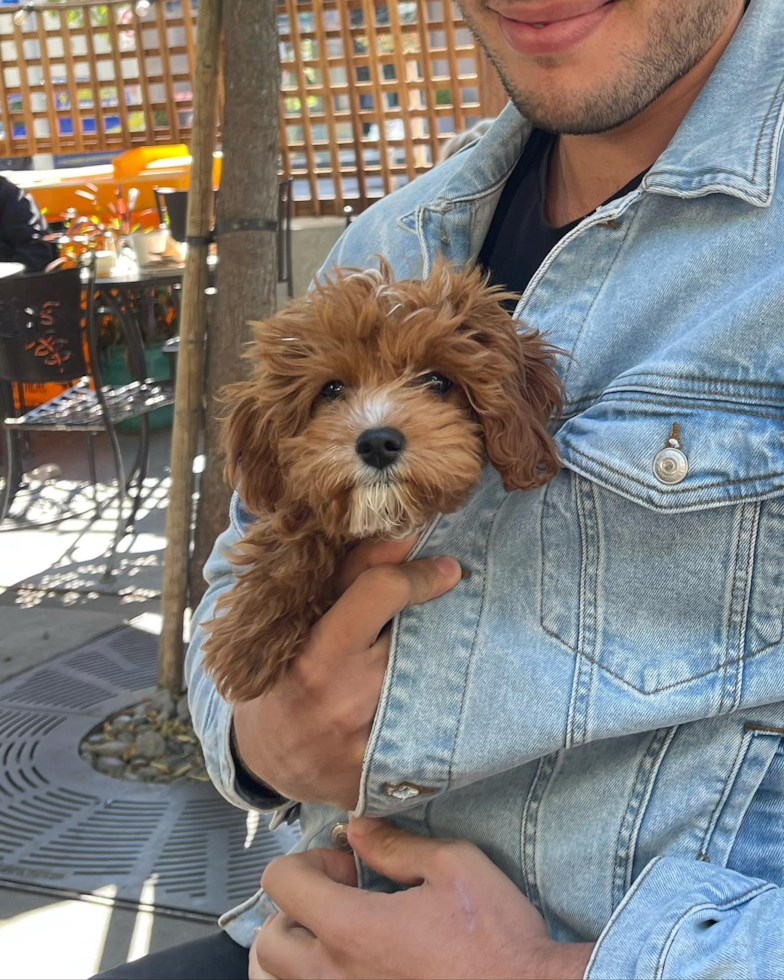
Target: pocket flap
{"points": [[732, 455]]}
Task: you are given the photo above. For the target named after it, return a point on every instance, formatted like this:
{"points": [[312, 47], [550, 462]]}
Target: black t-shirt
{"points": [[520, 237]]}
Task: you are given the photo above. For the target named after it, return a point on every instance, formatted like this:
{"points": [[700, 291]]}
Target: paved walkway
{"points": [[51, 601]]}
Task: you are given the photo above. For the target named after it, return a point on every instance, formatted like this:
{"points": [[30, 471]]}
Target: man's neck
{"points": [[585, 171]]}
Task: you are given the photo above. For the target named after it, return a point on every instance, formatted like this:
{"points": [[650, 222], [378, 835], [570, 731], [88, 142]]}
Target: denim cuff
{"points": [[673, 923]]}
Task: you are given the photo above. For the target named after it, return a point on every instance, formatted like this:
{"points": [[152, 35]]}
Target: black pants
{"points": [[214, 958]]}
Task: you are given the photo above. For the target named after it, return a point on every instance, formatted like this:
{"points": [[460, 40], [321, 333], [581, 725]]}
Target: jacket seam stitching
{"points": [[470, 657], [617, 914], [620, 396], [598, 292], [731, 615], [701, 379], [732, 775]]}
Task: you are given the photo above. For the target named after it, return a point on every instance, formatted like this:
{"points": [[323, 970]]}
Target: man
{"points": [[599, 708], [22, 229]]}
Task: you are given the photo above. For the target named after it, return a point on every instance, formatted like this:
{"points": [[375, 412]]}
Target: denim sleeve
{"points": [[212, 716], [694, 921]]}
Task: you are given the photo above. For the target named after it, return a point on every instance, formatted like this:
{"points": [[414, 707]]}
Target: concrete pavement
{"points": [[52, 600]]}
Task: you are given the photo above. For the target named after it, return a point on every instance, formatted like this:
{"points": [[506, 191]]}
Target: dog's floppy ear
{"points": [[249, 445], [272, 405], [515, 395]]}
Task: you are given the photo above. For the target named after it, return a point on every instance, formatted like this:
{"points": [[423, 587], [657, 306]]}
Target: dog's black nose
{"points": [[380, 448]]}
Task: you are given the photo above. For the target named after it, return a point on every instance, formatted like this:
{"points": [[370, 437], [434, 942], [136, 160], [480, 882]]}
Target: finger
{"points": [[398, 854], [302, 886], [370, 553], [378, 595], [339, 866], [284, 949]]}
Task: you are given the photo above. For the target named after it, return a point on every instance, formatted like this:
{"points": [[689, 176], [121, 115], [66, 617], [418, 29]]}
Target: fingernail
{"points": [[447, 566]]}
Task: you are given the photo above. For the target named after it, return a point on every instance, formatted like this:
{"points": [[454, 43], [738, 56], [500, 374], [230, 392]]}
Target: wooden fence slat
{"points": [[122, 107], [353, 99], [454, 70], [190, 37], [24, 84], [329, 109], [8, 126], [401, 64], [95, 83], [292, 9], [141, 62], [427, 70], [369, 8], [51, 114], [70, 70], [174, 119]]}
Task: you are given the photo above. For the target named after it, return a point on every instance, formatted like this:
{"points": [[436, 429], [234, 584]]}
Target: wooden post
{"points": [[190, 364], [247, 271]]}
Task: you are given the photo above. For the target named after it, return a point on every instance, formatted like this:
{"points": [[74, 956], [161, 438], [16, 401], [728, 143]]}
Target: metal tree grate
{"points": [[65, 826]]}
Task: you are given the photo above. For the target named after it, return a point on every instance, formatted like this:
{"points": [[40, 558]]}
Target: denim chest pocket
{"points": [[659, 584]]}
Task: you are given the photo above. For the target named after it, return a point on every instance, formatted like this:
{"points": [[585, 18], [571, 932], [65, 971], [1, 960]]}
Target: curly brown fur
{"points": [[292, 453]]}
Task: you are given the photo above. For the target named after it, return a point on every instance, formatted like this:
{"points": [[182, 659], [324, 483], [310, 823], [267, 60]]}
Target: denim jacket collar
{"points": [[729, 142]]}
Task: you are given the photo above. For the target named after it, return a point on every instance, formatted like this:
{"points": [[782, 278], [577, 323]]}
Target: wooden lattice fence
{"points": [[81, 76], [370, 91]]}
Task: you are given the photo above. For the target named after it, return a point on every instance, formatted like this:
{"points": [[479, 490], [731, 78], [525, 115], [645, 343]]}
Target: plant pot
{"points": [[114, 370], [148, 246]]}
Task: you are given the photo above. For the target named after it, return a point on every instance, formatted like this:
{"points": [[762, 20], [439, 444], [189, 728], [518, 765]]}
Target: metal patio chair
{"points": [[42, 339]]}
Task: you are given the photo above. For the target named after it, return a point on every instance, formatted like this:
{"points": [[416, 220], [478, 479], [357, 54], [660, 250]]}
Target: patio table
{"points": [[134, 279]]}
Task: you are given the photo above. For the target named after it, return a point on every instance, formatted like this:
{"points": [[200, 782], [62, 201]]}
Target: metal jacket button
{"points": [[670, 464], [338, 837]]}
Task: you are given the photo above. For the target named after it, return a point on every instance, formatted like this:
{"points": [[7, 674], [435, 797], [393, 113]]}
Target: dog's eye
{"points": [[436, 382], [332, 390]]}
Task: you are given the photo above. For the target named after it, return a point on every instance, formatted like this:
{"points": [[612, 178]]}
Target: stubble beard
{"points": [[676, 42]]}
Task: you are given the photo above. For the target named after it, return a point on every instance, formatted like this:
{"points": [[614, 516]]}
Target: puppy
{"points": [[372, 407]]}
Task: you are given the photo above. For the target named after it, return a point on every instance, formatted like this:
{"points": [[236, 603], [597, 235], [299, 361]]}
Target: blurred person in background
{"points": [[23, 229]]}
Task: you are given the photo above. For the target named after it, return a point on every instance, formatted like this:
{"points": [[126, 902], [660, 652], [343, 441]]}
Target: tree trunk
{"points": [[190, 361], [247, 270]]}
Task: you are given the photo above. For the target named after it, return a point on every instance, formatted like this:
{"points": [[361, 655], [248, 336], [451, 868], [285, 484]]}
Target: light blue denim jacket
{"points": [[600, 707]]}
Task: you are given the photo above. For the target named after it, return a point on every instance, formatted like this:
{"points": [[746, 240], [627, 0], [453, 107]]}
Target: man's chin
{"points": [[561, 106]]}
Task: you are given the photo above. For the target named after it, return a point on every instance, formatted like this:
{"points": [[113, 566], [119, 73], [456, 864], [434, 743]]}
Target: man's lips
{"points": [[554, 28], [546, 13]]}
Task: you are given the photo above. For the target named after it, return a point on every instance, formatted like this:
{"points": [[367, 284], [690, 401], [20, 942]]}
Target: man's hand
{"points": [[307, 737], [465, 918]]}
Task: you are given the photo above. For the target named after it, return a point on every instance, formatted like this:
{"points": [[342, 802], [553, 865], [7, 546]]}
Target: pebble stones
{"points": [[115, 749], [149, 745], [152, 742], [110, 766]]}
